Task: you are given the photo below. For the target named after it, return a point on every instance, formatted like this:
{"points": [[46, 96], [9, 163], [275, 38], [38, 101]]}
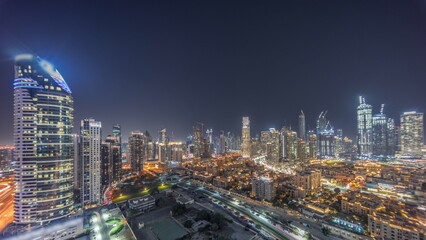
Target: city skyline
{"points": [[212, 120], [223, 74]]}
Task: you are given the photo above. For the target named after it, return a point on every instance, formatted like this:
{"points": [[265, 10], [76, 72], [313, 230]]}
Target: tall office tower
{"points": [[412, 134], [326, 144], [176, 151], [6, 157], [245, 136], [209, 133], [338, 139], [312, 144], [380, 134], [265, 138], [397, 139], [263, 188], [43, 122], [321, 122], [301, 150], [273, 146], [390, 138], [365, 127], [110, 161], [116, 132], [163, 152], [349, 149], [163, 138], [289, 144], [150, 148], [90, 132], [302, 123], [202, 147], [222, 144], [137, 151], [78, 168]]}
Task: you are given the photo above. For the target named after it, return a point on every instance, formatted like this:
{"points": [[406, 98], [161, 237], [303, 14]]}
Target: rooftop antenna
{"points": [[360, 99]]}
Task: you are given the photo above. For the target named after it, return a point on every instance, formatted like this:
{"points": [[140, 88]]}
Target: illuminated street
{"points": [[6, 202]]}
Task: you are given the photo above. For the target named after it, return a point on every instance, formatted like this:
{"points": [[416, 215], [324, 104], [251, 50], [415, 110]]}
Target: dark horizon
{"points": [[169, 65]]}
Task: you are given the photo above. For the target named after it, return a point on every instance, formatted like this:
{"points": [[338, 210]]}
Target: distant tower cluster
{"points": [[246, 139]]}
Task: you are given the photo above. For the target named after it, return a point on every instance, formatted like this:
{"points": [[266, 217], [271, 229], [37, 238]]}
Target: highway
{"points": [[269, 226], [303, 224], [6, 203]]}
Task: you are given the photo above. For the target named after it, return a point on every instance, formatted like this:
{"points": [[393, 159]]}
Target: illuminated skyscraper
{"points": [[137, 151], [312, 144], [245, 145], [412, 134], [302, 128], [289, 143], [365, 127], [90, 132], [43, 122], [116, 132], [379, 141], [110, 161]]}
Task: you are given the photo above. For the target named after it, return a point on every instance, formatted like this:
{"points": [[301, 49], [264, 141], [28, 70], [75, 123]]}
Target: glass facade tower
{"points": [[365, 127], [43, 122]]}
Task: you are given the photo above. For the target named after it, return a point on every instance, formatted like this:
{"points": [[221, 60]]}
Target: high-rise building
{"points": [[43, 122], [222, 145], [338, 139], [365, 127], [289, 144], [379, 133], [116, 132], [246, 139], [321, 122], [302, 124], [91, 137], [163, 138], [272, 146], [6, 157], [390, 138], [137, 151], [383, 135], [111, 164], [412, 134], [263, 188], [202, 147], [312, 144], [326, 144]]}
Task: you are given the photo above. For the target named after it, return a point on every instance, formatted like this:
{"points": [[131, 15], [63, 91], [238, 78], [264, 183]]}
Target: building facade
{"points": [[412, 134], [91, 137], [365, 127], [43, 122], [246, 139]]}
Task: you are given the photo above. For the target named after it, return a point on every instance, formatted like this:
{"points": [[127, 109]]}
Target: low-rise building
{"points": [[142, 203], [383, 226]]}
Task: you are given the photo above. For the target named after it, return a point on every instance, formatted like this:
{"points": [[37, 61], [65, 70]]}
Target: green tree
{"points": [[188, 224], [178, 209]]}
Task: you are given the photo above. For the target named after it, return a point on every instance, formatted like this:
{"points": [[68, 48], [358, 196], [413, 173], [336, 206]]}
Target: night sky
{"points": [[155, 64]]}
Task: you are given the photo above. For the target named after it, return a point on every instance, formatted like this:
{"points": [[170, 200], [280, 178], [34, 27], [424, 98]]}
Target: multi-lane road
{"points": [[270, 218], [6, 202]]}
